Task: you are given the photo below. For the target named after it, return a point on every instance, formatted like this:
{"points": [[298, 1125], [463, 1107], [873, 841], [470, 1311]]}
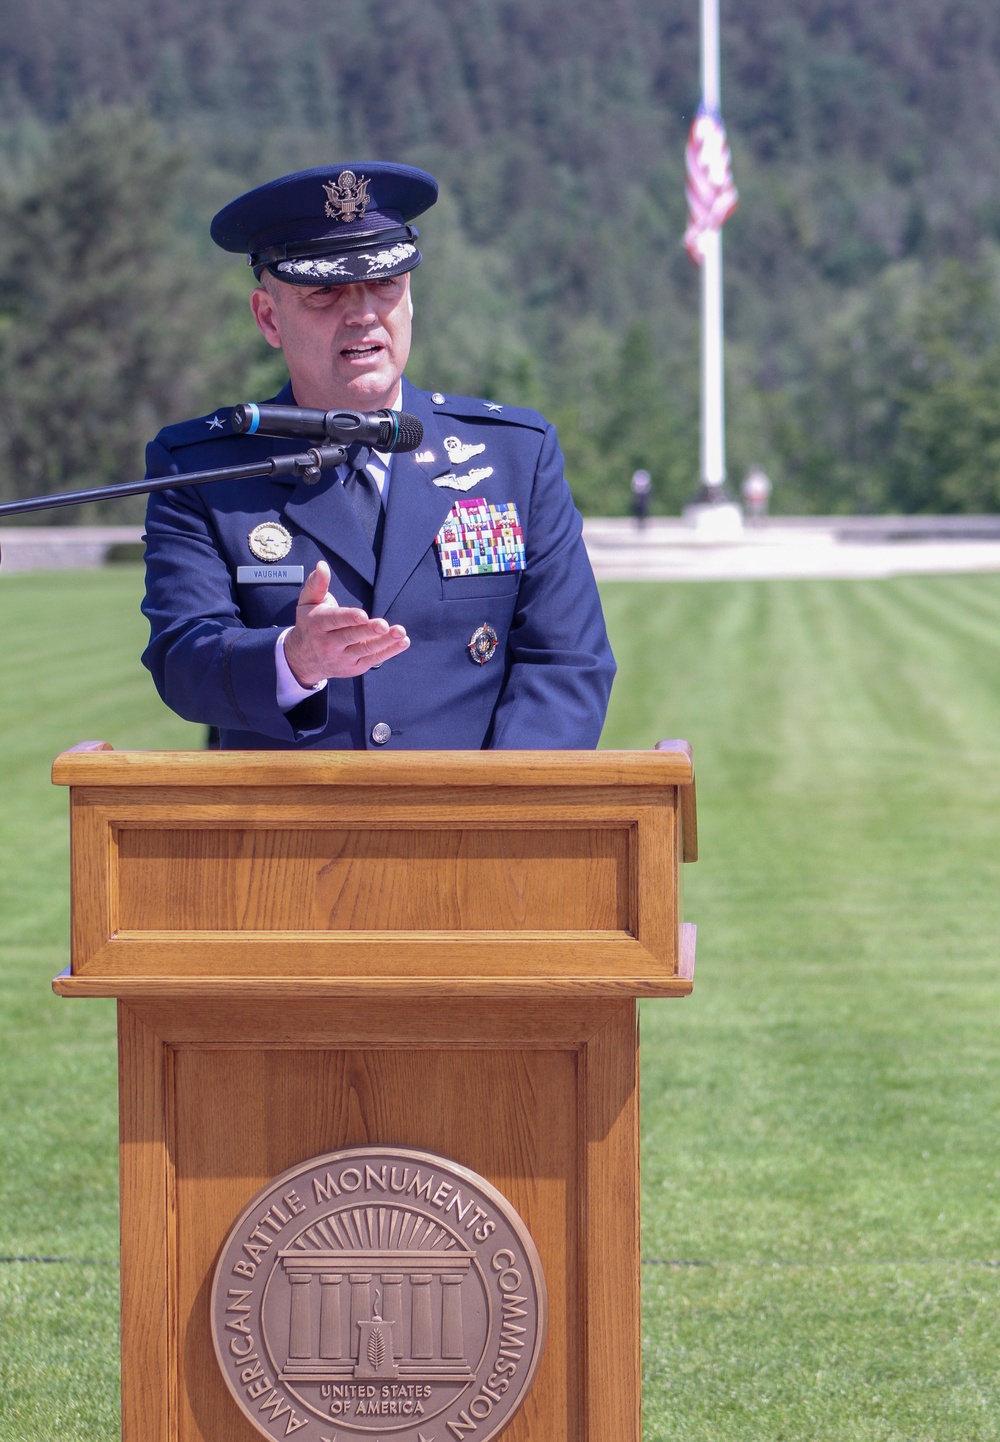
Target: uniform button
{"points": [[438, 398], [381, 733]]}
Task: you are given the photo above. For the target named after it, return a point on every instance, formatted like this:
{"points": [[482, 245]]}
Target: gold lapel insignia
{"points": [[347, 196], [270, 541], [459, 452]]}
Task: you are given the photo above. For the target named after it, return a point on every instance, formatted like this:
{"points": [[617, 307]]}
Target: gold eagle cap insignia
{"points": [[347, 197]]}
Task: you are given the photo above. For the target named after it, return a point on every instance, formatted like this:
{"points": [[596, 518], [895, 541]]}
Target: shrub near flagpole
{"points": [[712, 198]]}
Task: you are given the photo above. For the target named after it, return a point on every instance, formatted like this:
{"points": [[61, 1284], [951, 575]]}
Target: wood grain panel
{"points": [[275, 991], [376, 879], [446, 1023], [506, 1114], [147, 1235], [451, 805], [436, 950], [611, 1321], [402, 956], [93, 867], [654, 874], [485, 770]]}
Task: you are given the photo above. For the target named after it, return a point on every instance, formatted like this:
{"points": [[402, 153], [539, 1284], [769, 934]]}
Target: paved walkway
{"points": [[668, 550], [665, 550], [61, 548]]}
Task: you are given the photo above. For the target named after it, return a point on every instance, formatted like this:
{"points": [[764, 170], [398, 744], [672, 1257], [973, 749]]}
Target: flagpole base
{"points": [[714, 514], [714, 493]]}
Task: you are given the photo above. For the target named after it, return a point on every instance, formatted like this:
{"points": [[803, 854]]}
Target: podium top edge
{"points": [[93, 764]]}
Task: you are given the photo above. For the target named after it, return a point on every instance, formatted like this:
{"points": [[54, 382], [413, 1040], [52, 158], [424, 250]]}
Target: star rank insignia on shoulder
{"points": [[492, 406], [214, 424]]}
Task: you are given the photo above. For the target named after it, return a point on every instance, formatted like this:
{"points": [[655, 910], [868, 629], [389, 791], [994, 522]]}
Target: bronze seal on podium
{"points": [[379, 1294]]}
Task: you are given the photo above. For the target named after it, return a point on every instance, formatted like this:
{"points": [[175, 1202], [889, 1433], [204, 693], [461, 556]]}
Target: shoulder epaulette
{"points": [[215, 426], [470, 408]]}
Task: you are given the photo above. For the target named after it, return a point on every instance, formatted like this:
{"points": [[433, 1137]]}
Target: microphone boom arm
{"points": [[308, 464]]}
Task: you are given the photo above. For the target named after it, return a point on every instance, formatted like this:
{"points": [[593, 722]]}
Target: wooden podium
{"points": [[433, 950]]}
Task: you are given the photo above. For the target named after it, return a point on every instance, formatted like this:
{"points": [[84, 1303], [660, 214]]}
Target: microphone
{"points": [[382, 430]]}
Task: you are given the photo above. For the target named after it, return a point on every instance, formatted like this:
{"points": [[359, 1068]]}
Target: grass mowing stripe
{"points": [[58, 1358], [832, 1086], [61, 1261], [71, 642], [823, 1107], [714, 1372]]}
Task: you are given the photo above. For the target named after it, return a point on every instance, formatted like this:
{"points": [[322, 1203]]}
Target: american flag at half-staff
{"points": [[711, 195]]}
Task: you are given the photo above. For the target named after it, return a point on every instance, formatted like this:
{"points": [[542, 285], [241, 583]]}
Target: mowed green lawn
{"points": [[822, 1177]]}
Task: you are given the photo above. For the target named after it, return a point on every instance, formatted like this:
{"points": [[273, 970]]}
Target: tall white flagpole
{"points": [[713, 443]]}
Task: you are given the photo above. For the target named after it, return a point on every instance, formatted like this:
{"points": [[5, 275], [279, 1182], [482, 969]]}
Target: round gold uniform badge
{"points": [[270, 541], [379, 1293]]}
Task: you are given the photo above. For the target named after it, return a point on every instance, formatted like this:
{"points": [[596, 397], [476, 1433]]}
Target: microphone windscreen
{"points": [[411, 433]]}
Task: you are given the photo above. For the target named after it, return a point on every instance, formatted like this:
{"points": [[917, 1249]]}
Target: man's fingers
{"points": [[317, 585], [372, 653], [362, 640], [388, 642], [345, 623], [330, 640]]}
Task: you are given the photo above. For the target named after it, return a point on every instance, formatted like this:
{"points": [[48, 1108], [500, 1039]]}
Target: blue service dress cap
{"points": [[334, 225]]}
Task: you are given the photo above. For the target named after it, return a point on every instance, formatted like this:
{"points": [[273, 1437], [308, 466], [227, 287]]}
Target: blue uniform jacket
{"points": [[211, 648]]}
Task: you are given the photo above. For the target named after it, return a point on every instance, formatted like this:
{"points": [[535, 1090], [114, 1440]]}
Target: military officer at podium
{"points": [[432, 600]]}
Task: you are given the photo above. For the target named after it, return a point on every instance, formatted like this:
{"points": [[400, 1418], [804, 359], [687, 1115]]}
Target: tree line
{"points": [[863, 284]]}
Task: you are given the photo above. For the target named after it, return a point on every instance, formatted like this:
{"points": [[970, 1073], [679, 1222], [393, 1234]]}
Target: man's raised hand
{"points": [[328, 640]]}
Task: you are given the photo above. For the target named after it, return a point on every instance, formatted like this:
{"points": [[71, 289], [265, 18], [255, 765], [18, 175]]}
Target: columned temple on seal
{"points": [[380, 1316]]}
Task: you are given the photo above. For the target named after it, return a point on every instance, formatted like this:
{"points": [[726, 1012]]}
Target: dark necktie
{"points": [[364, 496]]}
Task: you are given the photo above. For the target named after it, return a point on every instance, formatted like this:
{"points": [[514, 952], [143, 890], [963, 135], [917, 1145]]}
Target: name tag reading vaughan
{"points": [[270, 575], [479, 538]]}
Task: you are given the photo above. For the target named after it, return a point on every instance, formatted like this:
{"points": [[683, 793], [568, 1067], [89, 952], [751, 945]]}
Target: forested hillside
{"points": [[863, 266]]}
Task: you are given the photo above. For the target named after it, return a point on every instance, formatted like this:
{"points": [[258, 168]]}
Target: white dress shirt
{"points": [[289, 692]]}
